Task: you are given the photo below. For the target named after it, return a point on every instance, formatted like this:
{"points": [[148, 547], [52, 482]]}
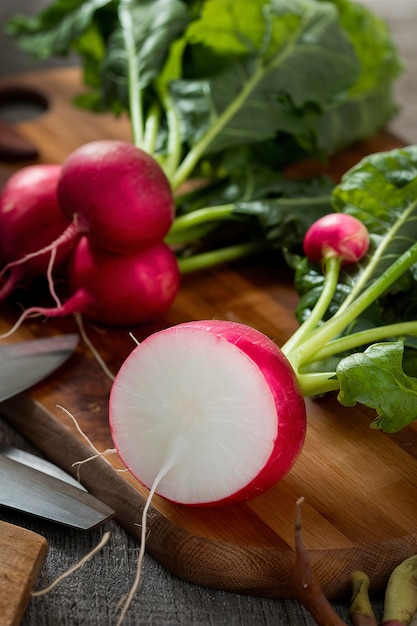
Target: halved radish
{"points": [[207, 413]]}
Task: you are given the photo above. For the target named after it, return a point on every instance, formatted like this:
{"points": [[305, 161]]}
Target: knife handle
{"points": [[22, 555]]}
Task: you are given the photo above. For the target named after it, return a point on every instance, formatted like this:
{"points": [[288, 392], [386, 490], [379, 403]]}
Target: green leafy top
{"points": [[200, 77], [370, 304]]}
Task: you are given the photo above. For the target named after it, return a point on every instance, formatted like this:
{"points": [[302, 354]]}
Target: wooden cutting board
{"points": [[359, 485]]}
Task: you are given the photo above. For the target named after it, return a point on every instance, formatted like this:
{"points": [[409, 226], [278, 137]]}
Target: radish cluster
{"points": [[104, 214]]}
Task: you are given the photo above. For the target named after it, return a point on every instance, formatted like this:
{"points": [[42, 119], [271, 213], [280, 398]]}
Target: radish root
{"points": [[73, 568], [78, 464], [309, 592], [79, 320], [170, 462], [97, 452], [50, 278], [68, 236]]}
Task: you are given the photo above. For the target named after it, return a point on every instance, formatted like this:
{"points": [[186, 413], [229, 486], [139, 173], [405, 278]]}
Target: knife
{"points": [[31, 460], [25, 363], [30, 490], [29, 483]]}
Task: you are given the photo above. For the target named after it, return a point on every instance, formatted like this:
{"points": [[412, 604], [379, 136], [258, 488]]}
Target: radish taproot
{"points": [[119, 195], [306, 587], [30, 218], [120, 290], [213, 404]]}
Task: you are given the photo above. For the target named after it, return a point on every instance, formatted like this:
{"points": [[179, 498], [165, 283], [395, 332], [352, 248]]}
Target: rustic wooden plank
{"points": [[22, 555]]}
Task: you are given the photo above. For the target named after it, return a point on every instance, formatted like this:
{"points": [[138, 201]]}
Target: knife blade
{"points": [[37, 462], [26, 363], [27, 489]]}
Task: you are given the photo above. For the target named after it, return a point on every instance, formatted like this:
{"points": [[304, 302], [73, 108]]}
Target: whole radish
{"points": [[118, 194], [207, 413], [123, 290], [30, 218], [119, 290], [336, 234]]}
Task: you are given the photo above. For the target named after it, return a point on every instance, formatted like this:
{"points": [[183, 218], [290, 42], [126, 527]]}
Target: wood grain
{"points": [[22, 554], [359, 485]]}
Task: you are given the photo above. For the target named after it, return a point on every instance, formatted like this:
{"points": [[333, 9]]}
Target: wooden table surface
{"points": [[90, 597]]}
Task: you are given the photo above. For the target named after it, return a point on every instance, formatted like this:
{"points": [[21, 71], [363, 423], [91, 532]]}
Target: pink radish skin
{"points": [[30, 218], [118, 290], [336, 234], [213, 405], [119, 194]]}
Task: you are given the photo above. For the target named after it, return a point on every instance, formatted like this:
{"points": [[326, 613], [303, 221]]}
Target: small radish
{"points": [[119, 290], [336, 234], [30, 218], [119, 195], [210, 410]]}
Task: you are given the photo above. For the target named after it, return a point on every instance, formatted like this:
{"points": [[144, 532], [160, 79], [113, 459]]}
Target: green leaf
{"points": [[156, 24], [285, 217], [266, 204], [379, 188], [381, 191], [249, 30], [369, 103], [281, 74], [379, 62], [299, 72], [376, 379], [358, 117], [57, 28]]}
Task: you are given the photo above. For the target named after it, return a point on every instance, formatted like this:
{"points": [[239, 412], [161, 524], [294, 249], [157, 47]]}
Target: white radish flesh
{"points": [[215, 406]]}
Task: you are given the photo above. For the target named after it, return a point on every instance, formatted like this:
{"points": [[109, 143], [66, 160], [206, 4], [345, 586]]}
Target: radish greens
{"points": [[372, 303], [232, 93], [201, 78]]}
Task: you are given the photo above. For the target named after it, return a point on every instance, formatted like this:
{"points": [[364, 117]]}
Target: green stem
{"points": [[332, 270], [223, 255], [376, 258], [190, 161], [363, 337], [333, 327], [151, 128], [174, 138], [135, 94], [201, 216], [315, 384]]}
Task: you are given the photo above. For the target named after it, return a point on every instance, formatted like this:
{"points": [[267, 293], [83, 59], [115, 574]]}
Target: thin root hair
{"points": [[73, 568]]}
